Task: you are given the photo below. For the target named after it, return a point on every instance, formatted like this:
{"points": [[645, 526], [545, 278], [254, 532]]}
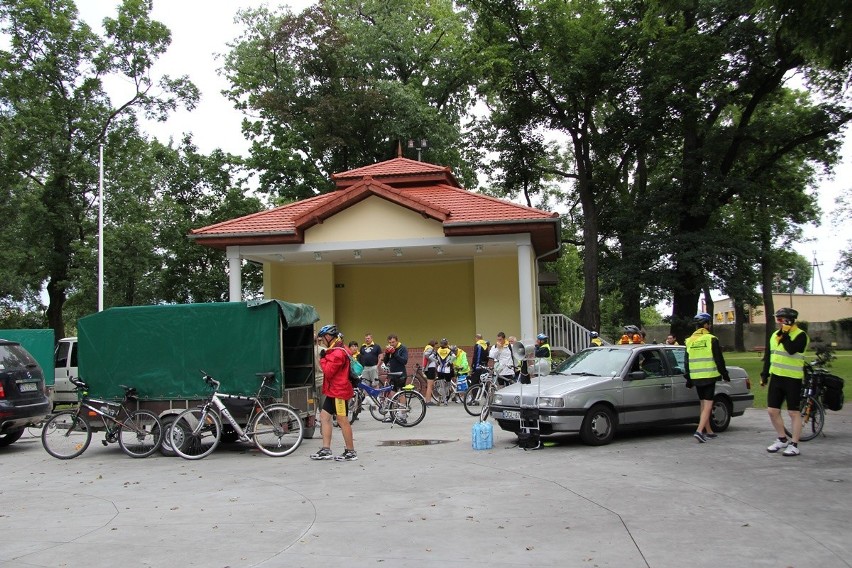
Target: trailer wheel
{"points": [[166, 445]]}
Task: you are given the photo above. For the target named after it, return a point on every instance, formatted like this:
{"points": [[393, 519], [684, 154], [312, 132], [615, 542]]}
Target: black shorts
{"points": [[330, 405], [705, 390], [397, 381], [784, 388], [430, 372], [445, 376]]}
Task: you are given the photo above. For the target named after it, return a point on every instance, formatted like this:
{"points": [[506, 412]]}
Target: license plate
{"points": [[28, 387], [512, 414]]}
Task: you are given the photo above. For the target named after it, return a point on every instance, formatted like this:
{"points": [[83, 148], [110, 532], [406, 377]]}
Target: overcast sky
{"points": [[202, 28]]}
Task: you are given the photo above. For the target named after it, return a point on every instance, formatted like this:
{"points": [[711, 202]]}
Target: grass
{"points": [[753, 365]]}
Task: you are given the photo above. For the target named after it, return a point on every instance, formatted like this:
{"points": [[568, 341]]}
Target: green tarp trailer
{"points": [[161, 350], [40, 343]]}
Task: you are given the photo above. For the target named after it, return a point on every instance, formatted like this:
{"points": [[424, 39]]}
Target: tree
{"points": [[55, 114], [840, 218], [341, 84]]}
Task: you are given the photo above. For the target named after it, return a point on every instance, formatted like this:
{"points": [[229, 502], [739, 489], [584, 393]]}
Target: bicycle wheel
{"points": [[141, 434], [472, 400], [419, 384], [378, 408], [485, 405], [408, 408], [195, 433], [813, 419], [66, 435], [277, 430]]}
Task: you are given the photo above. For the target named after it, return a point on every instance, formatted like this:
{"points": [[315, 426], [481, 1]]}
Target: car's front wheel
{"points": [[720, 415], [598, 426]]}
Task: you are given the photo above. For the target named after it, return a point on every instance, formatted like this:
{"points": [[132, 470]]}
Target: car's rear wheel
{"points": [[10, 437], [720, 415], [598, 426]]}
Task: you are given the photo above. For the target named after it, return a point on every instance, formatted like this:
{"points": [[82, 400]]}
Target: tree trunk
{"points": [[739, 324]]}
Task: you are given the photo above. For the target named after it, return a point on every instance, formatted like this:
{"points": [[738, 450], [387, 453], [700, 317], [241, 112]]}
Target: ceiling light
{"points": [[317, 256], [479, 248], [438, 250], [357, 254], [397, 252]]}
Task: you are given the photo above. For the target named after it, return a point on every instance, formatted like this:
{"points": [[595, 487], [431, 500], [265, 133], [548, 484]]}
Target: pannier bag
{"points": [[832, 394]]}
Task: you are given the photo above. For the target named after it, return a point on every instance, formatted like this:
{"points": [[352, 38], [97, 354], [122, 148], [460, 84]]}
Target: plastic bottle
{"points": [[482, 436]]}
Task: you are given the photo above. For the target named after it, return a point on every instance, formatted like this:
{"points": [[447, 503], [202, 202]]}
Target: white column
{"points": [[235, 280], [525, 291]]}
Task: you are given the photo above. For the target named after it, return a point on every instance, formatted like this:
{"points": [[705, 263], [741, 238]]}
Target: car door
{"points": [[685, 401], [65, 367], [647, 394]]}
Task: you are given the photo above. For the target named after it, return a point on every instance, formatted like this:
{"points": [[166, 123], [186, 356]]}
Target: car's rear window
{"points": [[14, 357]]}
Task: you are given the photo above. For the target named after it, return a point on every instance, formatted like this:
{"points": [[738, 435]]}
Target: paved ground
{"points": [[653, 499]]}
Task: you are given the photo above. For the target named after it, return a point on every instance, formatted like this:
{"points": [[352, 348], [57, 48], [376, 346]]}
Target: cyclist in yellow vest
{"points": [[785, 366], [595, 340], [704, 365]]}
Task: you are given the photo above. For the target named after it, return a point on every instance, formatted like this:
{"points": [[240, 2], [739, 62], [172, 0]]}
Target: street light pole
{"points": [[418, 144], [101, 231]]}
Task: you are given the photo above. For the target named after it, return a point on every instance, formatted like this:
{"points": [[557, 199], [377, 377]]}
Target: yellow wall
{"points": [[496, 282], [416, 301], [374, 219], [811, 308], [302, 283]]}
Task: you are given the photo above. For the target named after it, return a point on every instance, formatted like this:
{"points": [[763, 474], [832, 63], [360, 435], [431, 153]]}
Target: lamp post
{"points": [[418, 144]]}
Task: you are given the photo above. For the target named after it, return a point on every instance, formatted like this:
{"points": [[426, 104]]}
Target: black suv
{"points": [[23, 400]]}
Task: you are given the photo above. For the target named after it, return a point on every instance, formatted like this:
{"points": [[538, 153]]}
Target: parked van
{"points": [[64, 368]]}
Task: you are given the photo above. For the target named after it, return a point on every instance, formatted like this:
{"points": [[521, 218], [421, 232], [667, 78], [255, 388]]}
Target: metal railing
{"points": [[565, 334]]}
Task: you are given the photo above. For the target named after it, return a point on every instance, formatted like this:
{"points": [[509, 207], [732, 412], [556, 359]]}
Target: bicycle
{"points": [[275, 429], [406, 407], [67, 434], [477, 398], [811, 406]]}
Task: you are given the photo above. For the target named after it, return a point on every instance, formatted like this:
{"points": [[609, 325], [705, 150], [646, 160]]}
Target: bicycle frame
{"points": [[257, 407]]}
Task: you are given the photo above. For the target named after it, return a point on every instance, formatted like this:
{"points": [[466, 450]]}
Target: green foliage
{"points": [[56, 114], [339, 85]]}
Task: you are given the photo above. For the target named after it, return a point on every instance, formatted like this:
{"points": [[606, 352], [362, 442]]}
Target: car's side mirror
{"points": [[635, 375], [678, 370]]}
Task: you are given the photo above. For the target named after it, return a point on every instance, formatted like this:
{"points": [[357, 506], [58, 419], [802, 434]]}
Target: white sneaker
{"points": [[791, 451], [777, 445]]}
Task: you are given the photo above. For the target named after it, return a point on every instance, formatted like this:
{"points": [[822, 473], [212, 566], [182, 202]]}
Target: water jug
{"points": [[461, 383], [482, 436]]}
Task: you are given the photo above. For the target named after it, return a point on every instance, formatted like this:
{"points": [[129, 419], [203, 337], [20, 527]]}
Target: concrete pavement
{"points": [[655, 498]]}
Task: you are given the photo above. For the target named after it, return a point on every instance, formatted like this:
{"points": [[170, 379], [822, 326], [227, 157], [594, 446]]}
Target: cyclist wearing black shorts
{"points": [[785, 367], [703, 367], [396, 359]]}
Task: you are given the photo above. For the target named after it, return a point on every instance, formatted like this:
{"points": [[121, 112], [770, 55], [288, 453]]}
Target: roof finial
{"points": [[399, 148]]}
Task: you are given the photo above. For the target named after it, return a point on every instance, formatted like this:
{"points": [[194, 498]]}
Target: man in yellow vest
{"points": [[704, 365], [785, 366]]}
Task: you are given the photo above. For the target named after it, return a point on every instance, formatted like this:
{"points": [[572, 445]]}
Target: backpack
{"points": [[832, 394], [355, 368]]}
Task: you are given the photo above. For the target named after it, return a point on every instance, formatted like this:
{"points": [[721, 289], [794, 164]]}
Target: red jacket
{"points": [[335, 369]]}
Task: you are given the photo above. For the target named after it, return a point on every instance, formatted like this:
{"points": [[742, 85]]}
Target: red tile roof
{"points": [[425, 188]]}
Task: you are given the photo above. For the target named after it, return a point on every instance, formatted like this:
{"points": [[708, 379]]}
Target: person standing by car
{"points": [[337, 389], [369, 355], [703, 366], [670, 340], [501, 360], [785, 369]]}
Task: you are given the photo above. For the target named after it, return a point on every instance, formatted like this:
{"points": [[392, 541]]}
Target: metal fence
{"points": [[565, 334]]}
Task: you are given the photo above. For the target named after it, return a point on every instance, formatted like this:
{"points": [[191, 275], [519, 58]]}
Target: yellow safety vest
{"points": [[782, 363], [699, 347]]}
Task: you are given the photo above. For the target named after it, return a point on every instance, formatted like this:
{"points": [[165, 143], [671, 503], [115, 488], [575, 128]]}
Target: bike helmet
{"points": [[787, 314], [329, 329], [701, 318], [593, 334], [541, 337], [631, 329]]}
